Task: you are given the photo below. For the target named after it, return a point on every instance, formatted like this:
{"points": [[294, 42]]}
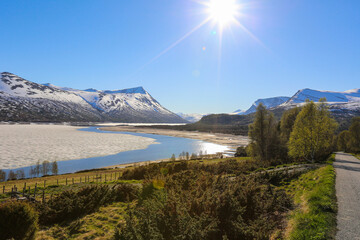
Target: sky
{"points": [[112, 44]]}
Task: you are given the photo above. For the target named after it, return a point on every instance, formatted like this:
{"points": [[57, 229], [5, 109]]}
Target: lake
{"points": [[166, 146]]}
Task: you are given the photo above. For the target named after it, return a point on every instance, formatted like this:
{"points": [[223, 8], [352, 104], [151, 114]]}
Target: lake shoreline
{"points": [[231, 141]]}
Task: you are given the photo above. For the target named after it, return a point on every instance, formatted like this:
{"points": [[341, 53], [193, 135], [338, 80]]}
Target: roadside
{"points": [[348, 195], [314, 216]]}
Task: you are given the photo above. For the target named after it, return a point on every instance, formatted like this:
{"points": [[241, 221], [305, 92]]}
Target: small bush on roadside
{"points": [[18, 220]]}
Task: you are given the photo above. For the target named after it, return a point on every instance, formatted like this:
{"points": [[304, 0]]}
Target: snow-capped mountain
{"points": [[331, 97], [191, 117], [347, 102], [267, 102], [22, 100]]}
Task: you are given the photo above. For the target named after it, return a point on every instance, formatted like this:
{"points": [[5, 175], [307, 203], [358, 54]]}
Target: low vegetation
{"points": [[315, 216]]}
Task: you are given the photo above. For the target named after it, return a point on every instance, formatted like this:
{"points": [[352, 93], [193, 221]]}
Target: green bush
{"points": [[70, 205], [18, 220], [199, 205]]}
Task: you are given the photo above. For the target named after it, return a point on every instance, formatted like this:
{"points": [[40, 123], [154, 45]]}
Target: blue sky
{"points": [[109, 44]]}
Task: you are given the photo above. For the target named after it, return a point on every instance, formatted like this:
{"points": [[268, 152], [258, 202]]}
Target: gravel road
{"points": [[348, 196]]}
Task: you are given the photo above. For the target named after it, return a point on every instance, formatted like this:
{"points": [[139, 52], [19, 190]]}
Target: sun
{"points": [[222, 12]]}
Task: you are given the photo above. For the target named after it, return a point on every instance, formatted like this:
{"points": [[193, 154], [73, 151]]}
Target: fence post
{"points": [[3, 189], [35, 190], [24, 191], [73, 180]]}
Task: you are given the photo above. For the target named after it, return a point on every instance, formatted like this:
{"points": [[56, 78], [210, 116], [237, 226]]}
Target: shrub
{"points": [[70, 205], [18, 220]]}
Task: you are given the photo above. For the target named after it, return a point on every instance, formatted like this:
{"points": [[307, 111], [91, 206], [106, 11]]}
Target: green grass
{"points": [[99, 225], [315, 215]]}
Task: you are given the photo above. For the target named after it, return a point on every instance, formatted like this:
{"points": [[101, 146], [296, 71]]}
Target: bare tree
{"points": [[54, 168], [2, 176], [37, 168], [20, 174], [11, 175], [45, 167]]}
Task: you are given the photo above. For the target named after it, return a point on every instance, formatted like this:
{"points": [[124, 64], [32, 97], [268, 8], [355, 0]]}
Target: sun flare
{"points": [[222, 11]]}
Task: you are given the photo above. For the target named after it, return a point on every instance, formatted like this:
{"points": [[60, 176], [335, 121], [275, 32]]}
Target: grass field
{"points": [[315, 214]]}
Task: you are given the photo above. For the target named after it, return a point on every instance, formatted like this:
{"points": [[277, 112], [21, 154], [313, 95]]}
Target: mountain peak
{"points": [[140, 90]]}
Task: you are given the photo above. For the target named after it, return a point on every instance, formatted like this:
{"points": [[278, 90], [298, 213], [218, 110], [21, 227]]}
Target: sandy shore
{"points": [[24, 145], [233, 141]]}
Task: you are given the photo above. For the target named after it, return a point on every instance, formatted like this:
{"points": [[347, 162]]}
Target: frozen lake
{"points": [[165, 146]]}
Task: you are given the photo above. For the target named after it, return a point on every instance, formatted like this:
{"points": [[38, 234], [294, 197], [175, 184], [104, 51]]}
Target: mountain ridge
{"points": [[23, 100]]}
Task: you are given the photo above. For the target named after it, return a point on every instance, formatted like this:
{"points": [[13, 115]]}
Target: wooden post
{"points": [[43, 196], [73, 180], [25, 185], [24, 191], [44, 183], [57, 182], [35, 190], [3, 189]]}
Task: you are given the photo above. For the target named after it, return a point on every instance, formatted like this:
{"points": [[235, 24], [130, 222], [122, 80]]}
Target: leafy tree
{"points": [[54, 168], [173, 158], [2, 176], [287, 123], [264, 135], [355, 134], [241, 152], [343, 141], [187, 156], [313, 132]]}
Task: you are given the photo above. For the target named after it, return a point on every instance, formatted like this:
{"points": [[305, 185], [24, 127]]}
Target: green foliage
{"points": [[287, 123], [264, 135], [70, 204], [199, 205], [316, 218], [241, 152], [18, 220], [355, 135], [343, 141], [313, 132]]}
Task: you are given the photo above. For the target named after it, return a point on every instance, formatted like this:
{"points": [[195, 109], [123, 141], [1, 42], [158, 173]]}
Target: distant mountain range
{"points": [[347, 102], [22, 100], [191, 117]]}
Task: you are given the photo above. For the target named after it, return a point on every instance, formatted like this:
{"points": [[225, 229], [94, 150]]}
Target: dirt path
{"points": [[348, 196]]}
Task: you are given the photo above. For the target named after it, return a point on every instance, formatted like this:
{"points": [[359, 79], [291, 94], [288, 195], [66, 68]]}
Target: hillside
{"points": [[22, 100]]}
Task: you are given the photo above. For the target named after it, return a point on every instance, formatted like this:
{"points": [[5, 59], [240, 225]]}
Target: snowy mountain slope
{"points": [[191, 117], [267, 102], [331, 97], [20, 100]]}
